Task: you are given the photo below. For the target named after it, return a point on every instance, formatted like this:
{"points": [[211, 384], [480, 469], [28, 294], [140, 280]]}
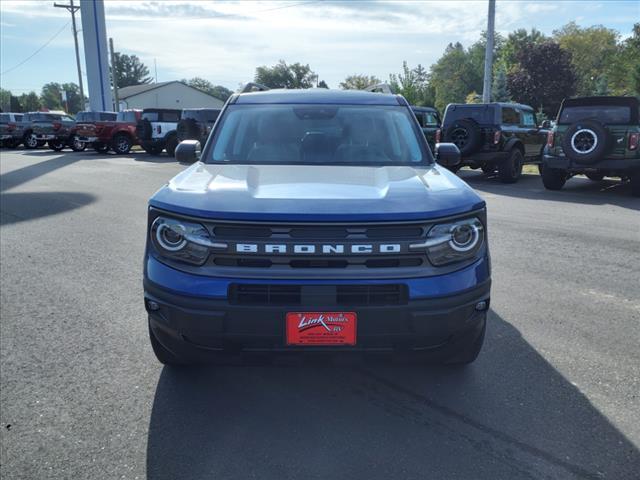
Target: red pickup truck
{"points": [[119, 135]]}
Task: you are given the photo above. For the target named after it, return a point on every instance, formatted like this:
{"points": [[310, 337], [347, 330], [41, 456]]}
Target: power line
{"points": [[37, 51]]}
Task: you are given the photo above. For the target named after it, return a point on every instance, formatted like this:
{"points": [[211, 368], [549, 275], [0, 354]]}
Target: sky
{"points": [[224, 41]]}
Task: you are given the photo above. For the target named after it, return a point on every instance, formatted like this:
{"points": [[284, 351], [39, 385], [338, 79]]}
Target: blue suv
{"points": [[316, 220]]}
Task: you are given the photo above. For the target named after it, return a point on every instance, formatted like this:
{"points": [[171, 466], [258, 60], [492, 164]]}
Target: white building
{"points": [[173, 94]]}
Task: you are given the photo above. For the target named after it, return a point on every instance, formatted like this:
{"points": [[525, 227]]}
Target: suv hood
{"points": [[316, 193]]}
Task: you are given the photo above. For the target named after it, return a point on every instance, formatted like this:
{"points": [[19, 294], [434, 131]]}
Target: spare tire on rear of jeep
{"points": [[465, 133], [586, 141], [143, 129], [188, 129]]}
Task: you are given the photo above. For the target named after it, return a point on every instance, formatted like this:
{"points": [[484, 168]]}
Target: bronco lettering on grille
{"points": [[328, 249]]}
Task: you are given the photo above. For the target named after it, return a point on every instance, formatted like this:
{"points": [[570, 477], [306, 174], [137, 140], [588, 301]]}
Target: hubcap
{"points": [[32, 140], [584, 141]]}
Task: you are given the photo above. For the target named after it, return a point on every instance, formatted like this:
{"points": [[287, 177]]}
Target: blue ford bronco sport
{"points": [[316, 220]]}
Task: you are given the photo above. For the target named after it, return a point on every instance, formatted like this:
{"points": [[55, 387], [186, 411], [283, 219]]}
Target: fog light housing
{"points": [[482, 306], [153, 306]]}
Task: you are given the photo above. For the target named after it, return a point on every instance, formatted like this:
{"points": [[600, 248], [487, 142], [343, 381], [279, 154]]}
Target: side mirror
{"points": [[447, 154], [188, 151], [546, 124]]}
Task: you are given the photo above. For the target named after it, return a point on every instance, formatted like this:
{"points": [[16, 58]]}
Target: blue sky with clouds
{"points": [[223, 41]]}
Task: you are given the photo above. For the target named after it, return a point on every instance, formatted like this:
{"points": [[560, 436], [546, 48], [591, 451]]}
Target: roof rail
{"points": [[253, 87], [380, 88]]}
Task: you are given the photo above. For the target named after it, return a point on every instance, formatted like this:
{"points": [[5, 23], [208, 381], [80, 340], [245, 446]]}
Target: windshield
{"points": [[611, 114], [95, 116], [480, 114], [319, 134], [129, 116]]}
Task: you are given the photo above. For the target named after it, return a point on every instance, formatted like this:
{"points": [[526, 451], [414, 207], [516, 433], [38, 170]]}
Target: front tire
{"points": [[488, 169], [77, 145], [164, 356], [30, 141], [553, 178], [509, 171], [56, 145]]}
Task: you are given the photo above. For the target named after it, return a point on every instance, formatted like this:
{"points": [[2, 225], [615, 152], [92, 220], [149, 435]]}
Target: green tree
{"points": [[624, 72], [473, 97], [515, 42], [75, 104], [413, 85], [15, 104], [5, 100], [359, 82], [323, 84], [543, 77], [51, 96], [593, 51], [602, 86], [453, 76], [217, 91], [281, 75], [131, 71], [30, 102], [500, 91]]}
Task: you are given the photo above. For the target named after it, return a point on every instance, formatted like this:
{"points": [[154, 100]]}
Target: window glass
{"points": [[107, 116], [5, 118], [343, 134], [126, 117], [510, 116], [619, 114], [480, 114], [430, 119], [18, 118], [528, 119], [151, 116], [170, 116]]}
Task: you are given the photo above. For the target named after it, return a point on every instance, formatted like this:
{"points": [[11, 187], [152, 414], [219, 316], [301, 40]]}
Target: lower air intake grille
{"points": [[339, 295]]}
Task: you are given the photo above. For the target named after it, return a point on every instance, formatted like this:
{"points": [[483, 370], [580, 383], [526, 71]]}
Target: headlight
{"points": [[182, 240], [453, 242]]}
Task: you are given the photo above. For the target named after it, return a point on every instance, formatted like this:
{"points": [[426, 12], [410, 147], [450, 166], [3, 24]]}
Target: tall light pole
{"points": [[73, 9], [488, 55]]}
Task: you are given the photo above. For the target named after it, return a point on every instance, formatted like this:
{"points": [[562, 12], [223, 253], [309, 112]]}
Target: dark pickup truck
{"points": [[57, 129], [115, 131], [8, 122]]}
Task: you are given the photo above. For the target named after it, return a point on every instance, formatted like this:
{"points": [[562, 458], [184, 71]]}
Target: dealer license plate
{"points": [[321, 328]]}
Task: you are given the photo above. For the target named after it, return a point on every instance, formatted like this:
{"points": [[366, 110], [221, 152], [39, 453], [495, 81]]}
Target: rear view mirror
{"points": [[447, 154], [188, 151]]}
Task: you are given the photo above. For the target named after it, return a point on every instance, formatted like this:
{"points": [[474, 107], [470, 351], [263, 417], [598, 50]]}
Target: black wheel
{"points": [[586, 141], [172, 144], [509, 170], [56, 144], [595, 176], [465, 133], [77, 145], [30, 141], [466, 349], [101, 147], [553, 178], [164, 355], [635, 183], [121, 143], [488, 169]]}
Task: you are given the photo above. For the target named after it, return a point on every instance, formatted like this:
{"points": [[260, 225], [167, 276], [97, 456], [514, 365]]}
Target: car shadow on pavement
{"points": [[32, 205], [577, 189], [30, 172], [509, 415]]}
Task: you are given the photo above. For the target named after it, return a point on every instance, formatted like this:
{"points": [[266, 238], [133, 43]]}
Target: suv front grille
{"points": [[333, 295]]}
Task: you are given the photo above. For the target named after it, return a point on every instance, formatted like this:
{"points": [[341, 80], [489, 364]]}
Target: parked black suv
{"points": [[595, 136], [429, 120], [196, 123], [156, 130], [490, 136]]}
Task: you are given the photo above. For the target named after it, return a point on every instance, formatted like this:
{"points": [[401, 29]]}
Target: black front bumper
{"points": [[196, 327], [607, 164]]}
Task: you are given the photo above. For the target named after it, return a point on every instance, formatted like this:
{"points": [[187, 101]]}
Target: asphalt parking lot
{"points": [[553, 395]]}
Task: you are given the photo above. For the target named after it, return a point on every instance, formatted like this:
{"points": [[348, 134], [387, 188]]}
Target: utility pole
{"points": [[73, 9], [114, 75], [488, 55]]}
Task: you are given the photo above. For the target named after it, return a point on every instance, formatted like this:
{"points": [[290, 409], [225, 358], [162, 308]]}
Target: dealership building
{"points": [[173, 94]]}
